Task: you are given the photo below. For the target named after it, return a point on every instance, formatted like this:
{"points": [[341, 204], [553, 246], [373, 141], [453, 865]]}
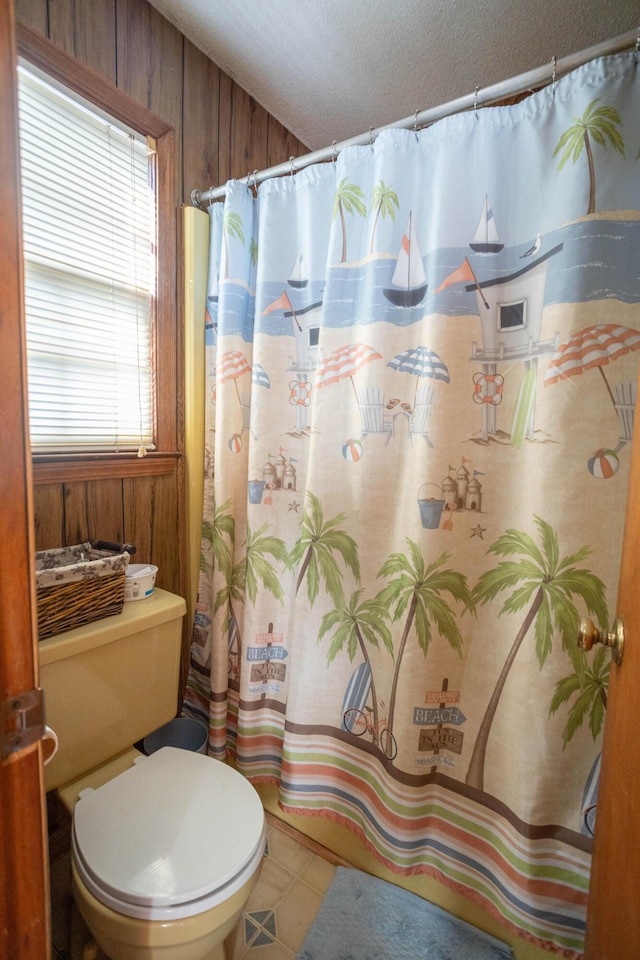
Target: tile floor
{"points": [[295, 875]]}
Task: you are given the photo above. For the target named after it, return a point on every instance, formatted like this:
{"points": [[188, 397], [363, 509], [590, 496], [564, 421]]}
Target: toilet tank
{"points": [[111, 682]]}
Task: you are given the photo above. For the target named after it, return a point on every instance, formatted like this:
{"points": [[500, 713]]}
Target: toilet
{"points": [[166, 848]]}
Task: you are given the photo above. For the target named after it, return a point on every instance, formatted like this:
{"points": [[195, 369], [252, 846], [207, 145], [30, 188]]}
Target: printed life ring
{"points": [[487, 388], [299, 393]]}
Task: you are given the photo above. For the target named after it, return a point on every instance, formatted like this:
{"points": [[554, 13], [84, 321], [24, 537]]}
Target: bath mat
{"points": [[363, 918]]}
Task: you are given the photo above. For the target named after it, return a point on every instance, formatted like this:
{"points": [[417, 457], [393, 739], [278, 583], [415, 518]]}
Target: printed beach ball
{"points": [[235, 443], [353, 450], [603, 463]]}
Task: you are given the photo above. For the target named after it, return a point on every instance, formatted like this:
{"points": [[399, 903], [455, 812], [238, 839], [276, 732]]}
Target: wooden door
{"points": [[24, 897], [613, 922]]}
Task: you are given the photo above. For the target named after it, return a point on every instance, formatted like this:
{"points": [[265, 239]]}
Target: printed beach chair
{"points": [[421, 413], [625, 404], [375, 418]]}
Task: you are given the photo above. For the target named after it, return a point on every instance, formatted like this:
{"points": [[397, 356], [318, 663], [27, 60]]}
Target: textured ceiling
{"points": [[332, 69]]}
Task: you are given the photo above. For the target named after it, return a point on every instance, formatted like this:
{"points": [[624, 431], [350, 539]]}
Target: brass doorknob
{"points": [[589, 634]]}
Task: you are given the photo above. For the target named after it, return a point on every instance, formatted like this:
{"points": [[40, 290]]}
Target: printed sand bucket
{"points": [[256, 489], [430, 507]]}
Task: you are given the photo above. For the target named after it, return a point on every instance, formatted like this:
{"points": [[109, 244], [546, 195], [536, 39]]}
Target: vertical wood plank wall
{"points": [[221, 133]]}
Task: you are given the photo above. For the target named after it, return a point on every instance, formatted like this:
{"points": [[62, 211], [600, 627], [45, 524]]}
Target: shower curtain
{"points": [[422, 362]]}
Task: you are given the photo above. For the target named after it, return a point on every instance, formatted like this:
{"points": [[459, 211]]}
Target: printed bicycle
{"points": [[358, 722]]}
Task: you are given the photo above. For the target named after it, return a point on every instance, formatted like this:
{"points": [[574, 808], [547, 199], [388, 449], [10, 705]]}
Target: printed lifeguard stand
{"points": [[510, 309], [306, 332]]}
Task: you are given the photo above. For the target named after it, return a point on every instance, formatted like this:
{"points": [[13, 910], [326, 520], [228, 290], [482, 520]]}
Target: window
{"points": [[99, 205], [512, 316], [89, 236]]}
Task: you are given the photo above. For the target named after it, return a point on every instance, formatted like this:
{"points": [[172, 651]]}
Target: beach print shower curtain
{"points": [[422, 362]]}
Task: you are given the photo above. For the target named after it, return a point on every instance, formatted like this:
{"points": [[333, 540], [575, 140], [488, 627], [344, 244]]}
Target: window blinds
{"points": [[88, 207]]}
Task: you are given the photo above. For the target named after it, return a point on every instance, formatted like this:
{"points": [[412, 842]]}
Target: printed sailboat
{"points": [[298, 279], [485, 239], [409, 281]]}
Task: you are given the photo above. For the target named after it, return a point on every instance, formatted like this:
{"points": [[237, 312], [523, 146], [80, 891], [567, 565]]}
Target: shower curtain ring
{"points": [[335, 153], [554, 61], [475, 102], [371, 137], [291, 159], [638, 45]]}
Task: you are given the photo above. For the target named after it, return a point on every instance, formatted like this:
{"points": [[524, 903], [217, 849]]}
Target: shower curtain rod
{"points": [[540, 76]]}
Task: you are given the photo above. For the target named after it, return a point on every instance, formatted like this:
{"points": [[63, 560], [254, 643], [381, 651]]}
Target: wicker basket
{"points": [[75, 585]]}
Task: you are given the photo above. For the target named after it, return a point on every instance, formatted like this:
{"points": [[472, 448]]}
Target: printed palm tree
{"points": [[548, 583], [417, 589], [596, 123], [215, 534], [231, 227], [383, 200], [591, 689], [357, 625], [258, 569], [348, 197], [315, 549], [234, 590], [243, 578], [253, 251]]}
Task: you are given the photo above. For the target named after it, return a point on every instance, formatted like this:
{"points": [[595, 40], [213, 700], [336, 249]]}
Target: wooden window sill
{"points": [[102, 467]]}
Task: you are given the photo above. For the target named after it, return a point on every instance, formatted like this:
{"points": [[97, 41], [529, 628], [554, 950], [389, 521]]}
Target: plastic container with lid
{"points": [[139, 581]]}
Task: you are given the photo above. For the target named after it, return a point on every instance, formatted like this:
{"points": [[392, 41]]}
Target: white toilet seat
{"points": [[175, 835]]}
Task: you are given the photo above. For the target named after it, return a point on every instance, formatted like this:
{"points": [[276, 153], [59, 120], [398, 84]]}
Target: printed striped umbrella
{"points": [[421, 362], [259, 376], [592, 347], [345, 362], [230, 366]]}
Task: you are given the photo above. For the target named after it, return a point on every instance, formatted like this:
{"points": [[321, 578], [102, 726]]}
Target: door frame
{"points": [[613, 918], [24, 879]]}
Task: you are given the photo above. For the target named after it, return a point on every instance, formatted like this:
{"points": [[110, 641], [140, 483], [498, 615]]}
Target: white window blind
{"points": [[88, 202]]}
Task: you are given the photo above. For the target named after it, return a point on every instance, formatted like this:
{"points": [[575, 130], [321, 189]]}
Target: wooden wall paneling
{"points": [[282, 144], [165, 549], [201, 98], [33, 13], [48, 505], [138, 498], [150, 53], [93, 511], [151, 523], [86, 29], [224, 129], [249, 124]]}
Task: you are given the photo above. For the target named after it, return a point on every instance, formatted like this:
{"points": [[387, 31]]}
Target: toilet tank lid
{"points": [[169, 830]]}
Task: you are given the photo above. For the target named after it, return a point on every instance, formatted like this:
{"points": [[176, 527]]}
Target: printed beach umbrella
{"points": [[345, 362], [592, 347], [421, 362], [230, 366], [259, 376]]}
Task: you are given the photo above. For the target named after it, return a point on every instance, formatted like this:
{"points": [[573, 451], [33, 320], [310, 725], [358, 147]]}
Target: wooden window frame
{"points": [[52, 468]]}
